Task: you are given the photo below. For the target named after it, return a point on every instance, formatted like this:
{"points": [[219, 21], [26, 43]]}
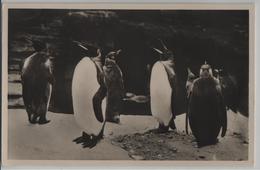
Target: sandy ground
{"points": [[53, 141], [130, 139]]}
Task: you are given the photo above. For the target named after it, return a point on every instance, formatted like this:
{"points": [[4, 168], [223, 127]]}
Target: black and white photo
{"points": [[128, 83]]}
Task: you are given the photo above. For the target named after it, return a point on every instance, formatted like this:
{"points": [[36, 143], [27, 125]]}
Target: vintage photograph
{"points": [[129, 84]]}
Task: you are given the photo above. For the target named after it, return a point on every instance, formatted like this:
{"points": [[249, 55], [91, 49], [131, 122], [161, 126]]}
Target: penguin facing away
{"points": [[206, 109], [163, 83], [88, 98], [115, 87], [37, 80]]}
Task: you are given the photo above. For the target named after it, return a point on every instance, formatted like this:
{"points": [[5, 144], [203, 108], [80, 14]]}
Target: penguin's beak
{"points": [[158, 51]]}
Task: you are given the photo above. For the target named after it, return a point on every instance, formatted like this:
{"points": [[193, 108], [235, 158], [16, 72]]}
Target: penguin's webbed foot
{"points": [[162, 128], [32, 121], [43, 121], [90, 143], [77, 140], [81, 139]]}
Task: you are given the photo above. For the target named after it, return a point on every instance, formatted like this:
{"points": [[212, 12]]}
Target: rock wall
{"points": [[220, 37]]}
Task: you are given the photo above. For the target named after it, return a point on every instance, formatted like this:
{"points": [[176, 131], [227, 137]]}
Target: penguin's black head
{"points": [[165, 53], [113, 55], [37, 44], [206, 71], [220, 72], [85, 48]]}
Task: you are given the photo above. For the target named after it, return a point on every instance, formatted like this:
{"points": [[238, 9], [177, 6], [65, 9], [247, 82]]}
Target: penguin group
{"points": [[98, 91], [204, 103]]}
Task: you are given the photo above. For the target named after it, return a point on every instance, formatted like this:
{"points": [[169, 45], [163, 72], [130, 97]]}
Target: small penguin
{"points": [[88, 98], [229, 89], [189, 85], [206, 109], [115, 87], [166, 92], [37, 80]]}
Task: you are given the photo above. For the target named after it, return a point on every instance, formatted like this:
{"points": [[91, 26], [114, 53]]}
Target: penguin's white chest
{"points": [[160, 92], [84, 87]]}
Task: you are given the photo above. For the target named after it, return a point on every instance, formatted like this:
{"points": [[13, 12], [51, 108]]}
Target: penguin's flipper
{"points": [[97, 102], [193, 108], [222, 113], [187, 123], [224, 122]]}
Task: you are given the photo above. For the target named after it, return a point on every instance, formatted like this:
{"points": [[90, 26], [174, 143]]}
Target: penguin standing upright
{"points": [[206, 109], [167, 95], [115, 87], [88, 98], [229, 89], [37, 81]]}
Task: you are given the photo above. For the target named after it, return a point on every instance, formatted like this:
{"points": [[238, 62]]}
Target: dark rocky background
{"points": [[219, 37]]}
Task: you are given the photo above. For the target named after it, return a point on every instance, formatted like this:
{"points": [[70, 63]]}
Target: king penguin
{"points": [[115, 87], [88, 98], [206, 109], [166, 97], [37, 80]]}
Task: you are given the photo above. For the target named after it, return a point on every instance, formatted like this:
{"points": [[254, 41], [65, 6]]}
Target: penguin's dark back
{"points": [[204, 102], [36, 66], [35, 74], [204, 110]]}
